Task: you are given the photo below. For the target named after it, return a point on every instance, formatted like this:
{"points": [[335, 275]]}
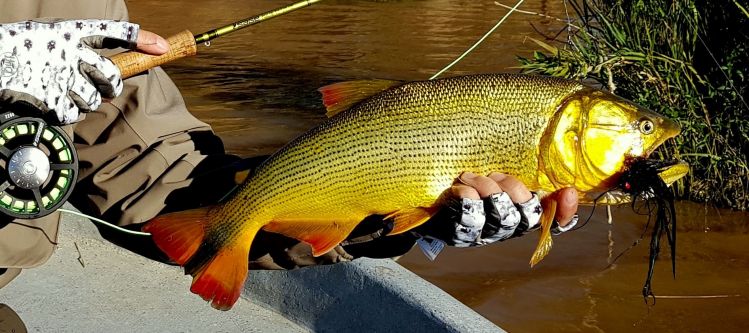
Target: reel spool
{"points": [[38, 167]]}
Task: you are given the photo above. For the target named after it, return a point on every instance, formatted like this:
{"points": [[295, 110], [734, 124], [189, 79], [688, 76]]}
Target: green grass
{"points": [[686, 59]]}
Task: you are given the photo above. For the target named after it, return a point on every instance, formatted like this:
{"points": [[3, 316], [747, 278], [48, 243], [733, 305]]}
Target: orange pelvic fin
{"points": [[179, 234], [338, 97], [544, 244], [218, 264], [409, 218], [322, 235]]}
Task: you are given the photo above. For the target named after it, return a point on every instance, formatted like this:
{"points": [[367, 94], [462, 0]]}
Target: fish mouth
{"points": [[669, 171], [669, 129]]}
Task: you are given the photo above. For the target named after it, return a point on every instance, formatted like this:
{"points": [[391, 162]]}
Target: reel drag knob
{"points": [[28, 167], [38, 167]]}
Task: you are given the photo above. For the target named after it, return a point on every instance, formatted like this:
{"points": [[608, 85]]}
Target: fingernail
{"points": [[468, 175], [497, 177]]}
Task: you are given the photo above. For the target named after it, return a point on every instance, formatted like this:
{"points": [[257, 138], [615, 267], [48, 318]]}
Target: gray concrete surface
{"points": [[365, 295], [118, 291]]}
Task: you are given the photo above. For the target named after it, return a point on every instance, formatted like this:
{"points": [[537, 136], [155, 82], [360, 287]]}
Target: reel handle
{"points": [[132, 62]]}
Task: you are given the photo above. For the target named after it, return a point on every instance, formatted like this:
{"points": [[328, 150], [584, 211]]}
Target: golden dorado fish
{"points": [[391, 149]]}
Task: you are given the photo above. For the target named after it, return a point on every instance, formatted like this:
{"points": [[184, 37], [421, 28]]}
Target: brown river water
{"points": [[257, 88]]}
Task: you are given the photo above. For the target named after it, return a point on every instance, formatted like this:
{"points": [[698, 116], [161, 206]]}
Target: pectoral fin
{"points": [[544, 244], [409, 218], [322, 235]]}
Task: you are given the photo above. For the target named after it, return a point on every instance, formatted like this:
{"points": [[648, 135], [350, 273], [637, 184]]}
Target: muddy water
{"points": [[257, 88]]}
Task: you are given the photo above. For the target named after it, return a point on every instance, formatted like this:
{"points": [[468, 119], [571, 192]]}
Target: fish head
{"points": [[597, 134]]}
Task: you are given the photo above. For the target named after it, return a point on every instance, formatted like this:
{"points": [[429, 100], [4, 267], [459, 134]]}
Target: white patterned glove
{"points": [[495, 218], [465, 222], [51, 66]]}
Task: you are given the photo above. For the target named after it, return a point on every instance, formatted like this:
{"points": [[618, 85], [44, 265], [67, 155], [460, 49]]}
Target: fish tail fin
{"points": [[219, 278], [179, 234], [218, 266], [545, 243]]}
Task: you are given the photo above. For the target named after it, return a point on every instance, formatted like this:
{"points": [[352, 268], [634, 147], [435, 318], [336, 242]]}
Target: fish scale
{"points": [[410, 142], [392, 149]]}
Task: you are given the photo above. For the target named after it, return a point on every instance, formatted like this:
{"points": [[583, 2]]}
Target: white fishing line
{"points": [[108, 224], [479, 41]]}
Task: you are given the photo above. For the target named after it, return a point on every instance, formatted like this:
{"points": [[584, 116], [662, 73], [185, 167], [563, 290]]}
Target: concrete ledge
{"points": [[371, 295], [114, 290]]}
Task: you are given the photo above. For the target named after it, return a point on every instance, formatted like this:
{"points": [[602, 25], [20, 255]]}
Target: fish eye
{"points": [[646, 126]]}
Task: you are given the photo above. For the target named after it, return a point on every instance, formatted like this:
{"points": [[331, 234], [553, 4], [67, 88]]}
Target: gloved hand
{"points": [[481, 210], [52, 67]]}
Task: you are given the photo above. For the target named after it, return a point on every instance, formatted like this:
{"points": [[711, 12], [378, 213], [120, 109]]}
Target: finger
{"points": [[67, 111], [97, 33], [483, 185], [102, 73], [566, 205], [464, 191], [502, 219], [514, 187], [530, 212], [151, 43], [81, 102], [472, 219]]}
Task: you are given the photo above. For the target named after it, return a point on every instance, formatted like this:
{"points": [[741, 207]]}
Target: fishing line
{"points": [[534, 13], [569, 26], [590, 216], [637, 241], [478, 42], [108, 224], [730, 82]]}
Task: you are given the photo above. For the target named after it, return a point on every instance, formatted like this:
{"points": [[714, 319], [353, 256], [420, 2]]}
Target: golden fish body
{"points": [[395, 152], [402, 148]]}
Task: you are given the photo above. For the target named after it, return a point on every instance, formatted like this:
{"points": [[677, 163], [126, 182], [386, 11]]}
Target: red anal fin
{"points": [[179, 234], [221, 280], [322, 235], [409, 218], [341, 96]]}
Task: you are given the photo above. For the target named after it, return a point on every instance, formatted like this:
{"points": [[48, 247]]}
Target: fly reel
{"points": [[38, 167]]}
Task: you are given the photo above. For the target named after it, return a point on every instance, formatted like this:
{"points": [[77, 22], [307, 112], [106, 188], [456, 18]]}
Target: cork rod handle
{"points": [[180, 45]]}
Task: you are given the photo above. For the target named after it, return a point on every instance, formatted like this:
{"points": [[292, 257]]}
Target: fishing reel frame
{"points": [[38, 166]]}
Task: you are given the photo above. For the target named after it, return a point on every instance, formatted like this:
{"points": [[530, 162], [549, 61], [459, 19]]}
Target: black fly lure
{"points": [[650, 192]]}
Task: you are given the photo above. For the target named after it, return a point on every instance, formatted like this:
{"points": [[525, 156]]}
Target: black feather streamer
{"points": [[642, 181]]}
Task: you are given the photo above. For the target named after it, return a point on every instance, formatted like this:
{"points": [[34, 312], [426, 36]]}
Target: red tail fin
{"points": [[179, 234], [222, 279], [218, 265]]}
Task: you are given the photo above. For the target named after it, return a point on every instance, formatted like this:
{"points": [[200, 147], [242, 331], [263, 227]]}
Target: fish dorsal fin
{"points": [[341, 96]]}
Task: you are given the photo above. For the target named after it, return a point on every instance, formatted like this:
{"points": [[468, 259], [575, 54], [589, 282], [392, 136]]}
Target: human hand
{"points": [[479, 210], [52, 67]]}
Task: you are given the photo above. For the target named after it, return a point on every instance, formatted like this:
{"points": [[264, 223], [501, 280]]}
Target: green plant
{"points": [[686, 59]]}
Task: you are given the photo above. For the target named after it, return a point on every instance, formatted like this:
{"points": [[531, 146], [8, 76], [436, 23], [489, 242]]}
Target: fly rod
{"points": [[184, 44]]}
